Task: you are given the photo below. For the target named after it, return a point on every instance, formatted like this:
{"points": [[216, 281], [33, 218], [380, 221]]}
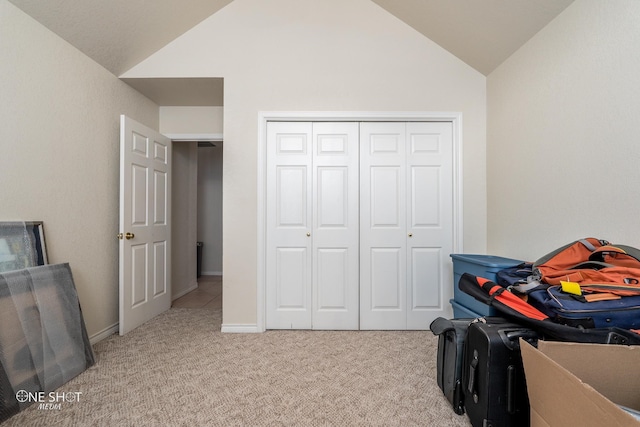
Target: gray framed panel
{"points": [[22, 245]]}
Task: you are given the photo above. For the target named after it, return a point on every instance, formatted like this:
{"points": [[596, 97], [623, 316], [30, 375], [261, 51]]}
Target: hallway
{"points": [[207, 295]]}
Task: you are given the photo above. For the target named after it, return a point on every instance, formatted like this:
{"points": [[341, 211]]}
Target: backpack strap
{"points": [[590, 243], [591, 265], [525, 288], [630, 250], [619, 255]]}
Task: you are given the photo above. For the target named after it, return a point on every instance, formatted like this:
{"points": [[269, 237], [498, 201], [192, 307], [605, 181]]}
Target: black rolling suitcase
{"points": [[451, 335], [493, 377]]}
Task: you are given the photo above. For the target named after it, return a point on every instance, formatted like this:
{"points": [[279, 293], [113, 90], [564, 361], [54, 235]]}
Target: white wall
{"points": [[563, 133], [194, 120], [60, 154], [184, 217], [210, 208], [317, 55]]}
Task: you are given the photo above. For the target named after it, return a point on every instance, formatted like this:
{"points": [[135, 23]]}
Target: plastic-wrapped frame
{"points": [[22, 245], [43, 338]]}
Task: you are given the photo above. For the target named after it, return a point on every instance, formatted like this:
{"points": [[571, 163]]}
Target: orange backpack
{"points": [[595, 265]]}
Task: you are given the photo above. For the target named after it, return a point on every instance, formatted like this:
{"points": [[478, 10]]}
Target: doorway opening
{"points": [[190, 112], [198, 217]]}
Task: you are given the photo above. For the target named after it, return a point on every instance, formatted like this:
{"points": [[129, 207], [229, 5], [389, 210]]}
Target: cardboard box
{"points": [[574, 384]]}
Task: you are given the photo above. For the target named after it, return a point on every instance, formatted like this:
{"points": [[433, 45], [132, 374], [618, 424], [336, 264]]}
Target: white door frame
{"points": [[292, 116]]}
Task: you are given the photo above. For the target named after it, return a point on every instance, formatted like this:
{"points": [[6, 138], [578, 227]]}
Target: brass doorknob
{"points": [[410, 234], [129, 236], [308, 234]]}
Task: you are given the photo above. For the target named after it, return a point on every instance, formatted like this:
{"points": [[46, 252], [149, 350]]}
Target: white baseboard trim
{"points": [[211, 273], [231, 329], [240, 329], [193, 287], [107, 332]]}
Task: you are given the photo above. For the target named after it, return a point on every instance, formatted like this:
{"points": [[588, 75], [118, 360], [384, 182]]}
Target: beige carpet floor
{"points": [[180, 370]]}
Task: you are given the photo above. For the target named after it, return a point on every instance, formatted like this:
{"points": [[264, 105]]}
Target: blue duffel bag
{"points": [[575, 310]]}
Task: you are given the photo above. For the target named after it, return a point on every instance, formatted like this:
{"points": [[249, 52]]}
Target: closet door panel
{"points": [[333, 197], [292, 270], [291, 197], [425, 278], [382, 226], [289, 210], [335, 281], [429, 221], [385, 192], [425, 196], [332, 279], [386, 279]]}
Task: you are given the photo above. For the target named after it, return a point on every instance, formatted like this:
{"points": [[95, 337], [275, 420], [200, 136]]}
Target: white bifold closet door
{"points": [[312, 226], [406, 223], [359, 224]]}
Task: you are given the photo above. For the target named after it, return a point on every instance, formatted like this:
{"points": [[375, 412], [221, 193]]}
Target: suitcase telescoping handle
{"points": [[471, 385], [511, 389], [512, 377]]}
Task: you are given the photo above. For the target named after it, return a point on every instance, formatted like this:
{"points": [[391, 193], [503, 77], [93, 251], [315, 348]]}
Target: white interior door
{"points": [[145, 218], [383, 235], [429, 215], [289, 226], [312, 225], [406, 223], [335, 283]]}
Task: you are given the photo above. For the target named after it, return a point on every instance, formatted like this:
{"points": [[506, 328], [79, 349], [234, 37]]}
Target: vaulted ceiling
{"points": [[119, 34]]}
